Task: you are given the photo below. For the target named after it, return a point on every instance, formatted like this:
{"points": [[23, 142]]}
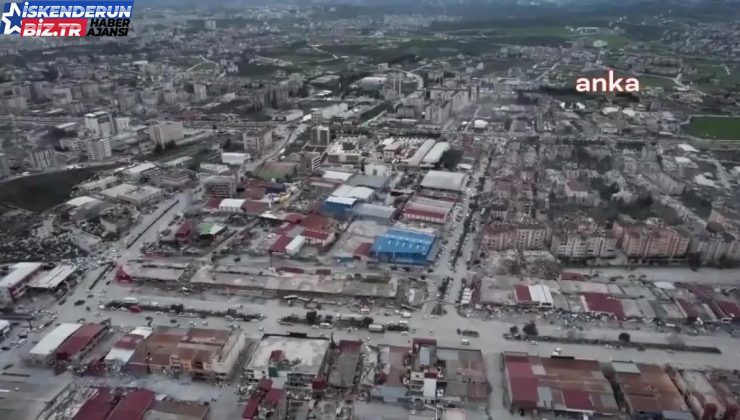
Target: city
{"points": [[334, 210]]}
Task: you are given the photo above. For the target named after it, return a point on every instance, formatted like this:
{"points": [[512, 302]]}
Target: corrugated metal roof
{"points": [[19, 273], [78, 340], [133, 406], [443, 180], [54, 339]]}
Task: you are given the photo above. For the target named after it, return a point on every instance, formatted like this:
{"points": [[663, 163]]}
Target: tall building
{"points": [[165, 132], [100, 124], [256, 142], [320, 135], [43, 158], [200, 92], [4, 165], [99, 149]]}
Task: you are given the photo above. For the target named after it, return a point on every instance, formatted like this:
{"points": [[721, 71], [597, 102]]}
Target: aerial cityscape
{"points": [[329, 209]]}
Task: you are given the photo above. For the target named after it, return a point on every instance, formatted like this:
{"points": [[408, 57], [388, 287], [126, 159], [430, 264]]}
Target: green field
{"points": [[722, 128]]}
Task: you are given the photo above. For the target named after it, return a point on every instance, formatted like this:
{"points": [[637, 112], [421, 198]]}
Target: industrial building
{"points": [[14, 283], [404, 246], [444, 184], [289, 362], [435, 154], [648, 392], [558, 385], [219, 186]]}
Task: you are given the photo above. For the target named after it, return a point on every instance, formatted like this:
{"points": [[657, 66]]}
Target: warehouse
{"points": [[338, 206], [231, 205], [435, 155], [15, 281], [404, 246], [428, 210], [377, 213], [418, 156], [557, 385], [80, 342], [46, 347], [51, 280], [443, 183]]}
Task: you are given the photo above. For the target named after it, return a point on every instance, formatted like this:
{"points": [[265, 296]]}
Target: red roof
{"points": [[730, 309], [576, 399], [213, 202], [522, 293], [265, 384], [185, 229], [133, 406], [424, 213], [273, 397], [363, 249], [316, 222], [315, 234], [253, 208], [524, 392], [568, 275], [79, 340], [293, 217], [97, 407], [280, 243], [603, 303], [350, 346], [250, 411], [129, 342]]}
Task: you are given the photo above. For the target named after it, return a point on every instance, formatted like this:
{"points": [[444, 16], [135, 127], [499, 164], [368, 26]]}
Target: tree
{"points": [[312, 317], [514, 329], [530, 329], [624, 337], [450, 159], [367, 321], [158, 149]]}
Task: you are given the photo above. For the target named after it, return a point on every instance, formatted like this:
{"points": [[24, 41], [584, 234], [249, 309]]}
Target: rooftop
{"points": [[306, 354], [443, 180], [560, 384], [19, 272]]}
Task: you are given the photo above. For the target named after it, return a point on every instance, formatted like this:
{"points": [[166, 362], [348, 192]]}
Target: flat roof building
{"points": [[445, 181], [289, 362], [404, 246], [14, 283]]}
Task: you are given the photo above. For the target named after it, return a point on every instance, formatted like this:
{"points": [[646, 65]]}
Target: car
{"points": [[173, 321], [79, 302]]}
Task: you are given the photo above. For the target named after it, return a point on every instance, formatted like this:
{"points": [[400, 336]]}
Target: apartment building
{"points": [[257, 141], [583, 244], [653, 241], [219, 186], [500, 236]]}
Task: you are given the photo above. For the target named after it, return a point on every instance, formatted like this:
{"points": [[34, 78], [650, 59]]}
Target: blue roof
{"points": [[404, 241]]}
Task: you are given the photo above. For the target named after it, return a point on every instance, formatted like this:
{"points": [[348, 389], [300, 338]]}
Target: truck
{"points": [[131, 300], [376, 328]]}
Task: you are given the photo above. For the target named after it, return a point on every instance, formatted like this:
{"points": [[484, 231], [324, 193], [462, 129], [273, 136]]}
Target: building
{"points": [[141, 172], [289, 362], [100, 124], [320, 135], [522, 236], [43, 158], [427, 373], [43, 351], [200, 91], [576, 192], [166, 132], [557, 385], [99, 149], [137, 195], [257, 142], [219, 186], [583, 244], [710, 395], [15, 281], [648, 391], [198, 353], [416, 159], [404, 246], [346, 365], [435, 155], [648, 241], [444, 184], [428, 210], [265, 402], [4, 165], [79, 343], [344, 151]]}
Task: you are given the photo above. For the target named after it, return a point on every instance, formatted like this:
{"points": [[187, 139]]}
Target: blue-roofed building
{"points": [[338, 207], [404, 246]]}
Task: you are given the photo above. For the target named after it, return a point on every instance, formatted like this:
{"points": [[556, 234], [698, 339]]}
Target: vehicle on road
{"points": [[79, 302]]}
